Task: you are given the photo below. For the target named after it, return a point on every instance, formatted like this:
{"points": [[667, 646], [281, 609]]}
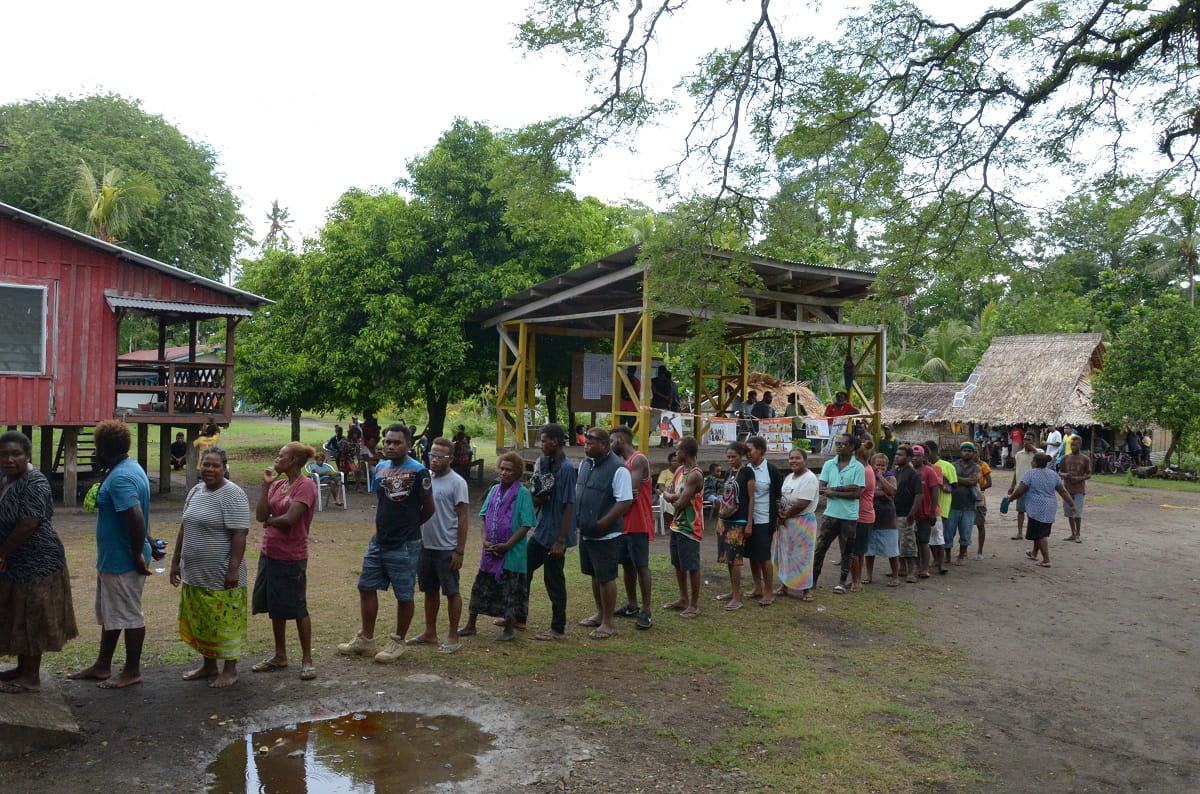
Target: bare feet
{"points": [[808, 596], [13, 687], [592, 622], [690, 612], [199, 673], [674, 605], [122, 680], [92, 673], [223, 680], [602, 633]]}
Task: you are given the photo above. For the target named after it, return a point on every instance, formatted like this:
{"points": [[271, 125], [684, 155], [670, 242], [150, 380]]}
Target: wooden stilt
{"points": [[143, 447], [164, 458], [190, 476], [46, 451], [70, 466]]}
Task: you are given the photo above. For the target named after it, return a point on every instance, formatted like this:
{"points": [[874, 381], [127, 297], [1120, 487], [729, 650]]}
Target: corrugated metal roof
{"points": [[248, 298], [174, 307]]}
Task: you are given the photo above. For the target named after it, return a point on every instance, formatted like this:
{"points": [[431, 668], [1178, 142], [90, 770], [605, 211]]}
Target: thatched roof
{"points": [[917, 402], [1037, 380], [780, 389]]}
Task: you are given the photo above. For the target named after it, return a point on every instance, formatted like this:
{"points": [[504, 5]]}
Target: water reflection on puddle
{"points": [[367, 751]]}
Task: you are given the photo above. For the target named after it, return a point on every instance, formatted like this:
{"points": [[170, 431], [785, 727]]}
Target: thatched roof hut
{"points": [[917, 402], [780, 389], [1042, 379]]}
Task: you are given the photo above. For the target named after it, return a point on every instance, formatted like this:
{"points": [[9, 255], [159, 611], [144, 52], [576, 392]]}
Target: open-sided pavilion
{"points": [[608, 299]]}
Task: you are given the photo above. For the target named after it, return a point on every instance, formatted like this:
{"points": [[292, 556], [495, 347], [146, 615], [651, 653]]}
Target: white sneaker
{"points": [[392, 651], [359, 646]]}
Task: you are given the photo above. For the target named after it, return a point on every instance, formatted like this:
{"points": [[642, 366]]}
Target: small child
{"points": [[325, 472]]}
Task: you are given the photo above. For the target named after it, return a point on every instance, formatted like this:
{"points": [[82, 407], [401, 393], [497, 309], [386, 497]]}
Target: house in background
{"points": [[916, 413], [62, 297], [149, 377]]}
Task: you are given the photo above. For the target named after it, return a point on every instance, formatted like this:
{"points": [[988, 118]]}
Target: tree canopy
{"points": [[1152, 371], [390, 285], [197, 225]]}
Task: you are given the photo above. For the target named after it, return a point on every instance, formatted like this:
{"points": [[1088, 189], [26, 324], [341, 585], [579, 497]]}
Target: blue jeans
{"points": [[961, 523]]}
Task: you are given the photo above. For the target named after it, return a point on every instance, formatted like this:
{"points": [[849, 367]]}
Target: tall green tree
{"points": [[400, 277], [1152, 371], [197, 225], [277, 370], [1178, 240]]}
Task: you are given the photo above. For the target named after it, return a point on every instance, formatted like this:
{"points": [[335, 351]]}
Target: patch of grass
{"points": [[1149, 483]]}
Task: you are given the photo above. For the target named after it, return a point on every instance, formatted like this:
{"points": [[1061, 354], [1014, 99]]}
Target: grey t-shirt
{"points": [[440, 532]]}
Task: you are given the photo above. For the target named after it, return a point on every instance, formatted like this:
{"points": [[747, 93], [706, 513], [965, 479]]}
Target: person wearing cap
{"points": [[961, 521]]}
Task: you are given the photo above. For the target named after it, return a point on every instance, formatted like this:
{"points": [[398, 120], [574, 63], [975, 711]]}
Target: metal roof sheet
{"points": [[175, 307]]}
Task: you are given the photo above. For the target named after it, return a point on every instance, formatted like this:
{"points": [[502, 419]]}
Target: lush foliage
{"points": [[1152, 371], [197, 225], [378, 310]]}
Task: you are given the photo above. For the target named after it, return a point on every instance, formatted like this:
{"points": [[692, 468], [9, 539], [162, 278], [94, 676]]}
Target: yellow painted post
{"points": [[618, 346], [500, 379], [643, 420], [877, 421], [745, 370], [531, 372], [522, 351]]}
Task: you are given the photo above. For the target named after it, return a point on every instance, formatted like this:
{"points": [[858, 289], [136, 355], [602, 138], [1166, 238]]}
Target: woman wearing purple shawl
{"points": [[501, 587]]}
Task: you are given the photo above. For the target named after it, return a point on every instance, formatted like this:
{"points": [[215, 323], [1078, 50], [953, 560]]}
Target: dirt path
{"points": [[1084, 680], [1086, 672]]}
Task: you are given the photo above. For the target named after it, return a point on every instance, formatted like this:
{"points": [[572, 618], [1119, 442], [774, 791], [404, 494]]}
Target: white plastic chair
{"points": [[316, 478]]}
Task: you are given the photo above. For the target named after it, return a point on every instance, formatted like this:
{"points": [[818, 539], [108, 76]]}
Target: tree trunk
{"points": [[1175, 433], [435, 404], [295, 424]]}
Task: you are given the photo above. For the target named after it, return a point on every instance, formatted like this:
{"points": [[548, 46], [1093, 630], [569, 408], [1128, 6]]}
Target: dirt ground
{"points": [[1083, 681]]}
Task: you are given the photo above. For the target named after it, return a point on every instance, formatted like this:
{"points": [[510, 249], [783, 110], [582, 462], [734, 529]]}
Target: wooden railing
{"points": [[181, 389]]}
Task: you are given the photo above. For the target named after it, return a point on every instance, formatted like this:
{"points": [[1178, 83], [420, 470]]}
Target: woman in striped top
{"points": [[210, 562]]}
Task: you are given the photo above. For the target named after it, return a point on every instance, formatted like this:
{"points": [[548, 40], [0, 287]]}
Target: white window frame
{"points": [[44, 290]]}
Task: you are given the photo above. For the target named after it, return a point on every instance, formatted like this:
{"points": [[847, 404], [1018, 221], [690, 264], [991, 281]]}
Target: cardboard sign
{"points": [[721, 431], [777, 432]]}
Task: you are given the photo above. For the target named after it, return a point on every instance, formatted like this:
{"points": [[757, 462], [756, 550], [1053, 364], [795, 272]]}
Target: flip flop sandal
{"points": [[548, 636], [724, 597], [418, 640], [674, 605], [766, 602], [308, 673], [448, 647], [602, 635], [689, 613], [733, 606], [267, 666], [839, 589], [592, 622]]}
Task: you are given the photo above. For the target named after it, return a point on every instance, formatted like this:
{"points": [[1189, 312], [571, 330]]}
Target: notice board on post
{"points": [[591, 381]]}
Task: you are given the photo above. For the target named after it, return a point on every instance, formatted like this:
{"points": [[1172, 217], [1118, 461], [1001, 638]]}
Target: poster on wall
{"points": [[816, 427], [670, 425], [721, 431], [777, 432], [837, 427]]}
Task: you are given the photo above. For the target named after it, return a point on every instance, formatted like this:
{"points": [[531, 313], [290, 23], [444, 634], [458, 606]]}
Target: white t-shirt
{"points": [[1053, 442], [798, 488], [762, 492]]}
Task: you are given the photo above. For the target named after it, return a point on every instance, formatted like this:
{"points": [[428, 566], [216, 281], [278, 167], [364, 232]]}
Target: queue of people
{"points": [[912, 510]]}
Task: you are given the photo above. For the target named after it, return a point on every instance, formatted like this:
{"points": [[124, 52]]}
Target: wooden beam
{"points": [[164, 458], [558, 318], [818, 329], [817, 286], [70, 466], [791, 297], [565, 295]]}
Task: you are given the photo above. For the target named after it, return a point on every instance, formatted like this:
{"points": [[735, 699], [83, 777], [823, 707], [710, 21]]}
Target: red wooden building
{"points": [[62, 297]]}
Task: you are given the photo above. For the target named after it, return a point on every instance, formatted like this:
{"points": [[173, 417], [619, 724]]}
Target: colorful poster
{"points": [[721, 431], [670, 425], [777, 432]]}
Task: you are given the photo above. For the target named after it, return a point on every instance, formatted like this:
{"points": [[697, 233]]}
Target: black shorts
{"points": [[281, 589], [598, 558], [758, 545], [634, 550], [924, 529], [685, 552], [433, 572], [862, 540]]}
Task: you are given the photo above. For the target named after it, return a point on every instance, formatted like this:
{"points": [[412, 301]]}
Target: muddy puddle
{"points": [[364, 751]]}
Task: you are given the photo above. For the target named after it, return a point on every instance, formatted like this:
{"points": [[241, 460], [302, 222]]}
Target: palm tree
{"points": [[277, 236], [941, 354], [109, 207], [1179, 241]]}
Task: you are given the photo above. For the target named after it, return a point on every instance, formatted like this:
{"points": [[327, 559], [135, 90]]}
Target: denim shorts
{"points": [[961, 523], [396, 568], [1077, 498]]}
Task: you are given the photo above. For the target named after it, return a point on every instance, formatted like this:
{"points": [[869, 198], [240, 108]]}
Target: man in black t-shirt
{"points": [[405, 502], [909, 493]]}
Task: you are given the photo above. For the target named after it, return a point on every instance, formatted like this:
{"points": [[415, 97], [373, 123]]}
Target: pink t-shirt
{"points": [[866, 502], [289, 544]]}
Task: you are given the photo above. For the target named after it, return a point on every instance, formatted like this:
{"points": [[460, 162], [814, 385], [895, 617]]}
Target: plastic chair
{"points": [[316, 478]]}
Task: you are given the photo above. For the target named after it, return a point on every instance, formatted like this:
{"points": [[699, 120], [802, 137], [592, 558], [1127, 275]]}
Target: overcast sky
{"points": [[303, 100]]}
